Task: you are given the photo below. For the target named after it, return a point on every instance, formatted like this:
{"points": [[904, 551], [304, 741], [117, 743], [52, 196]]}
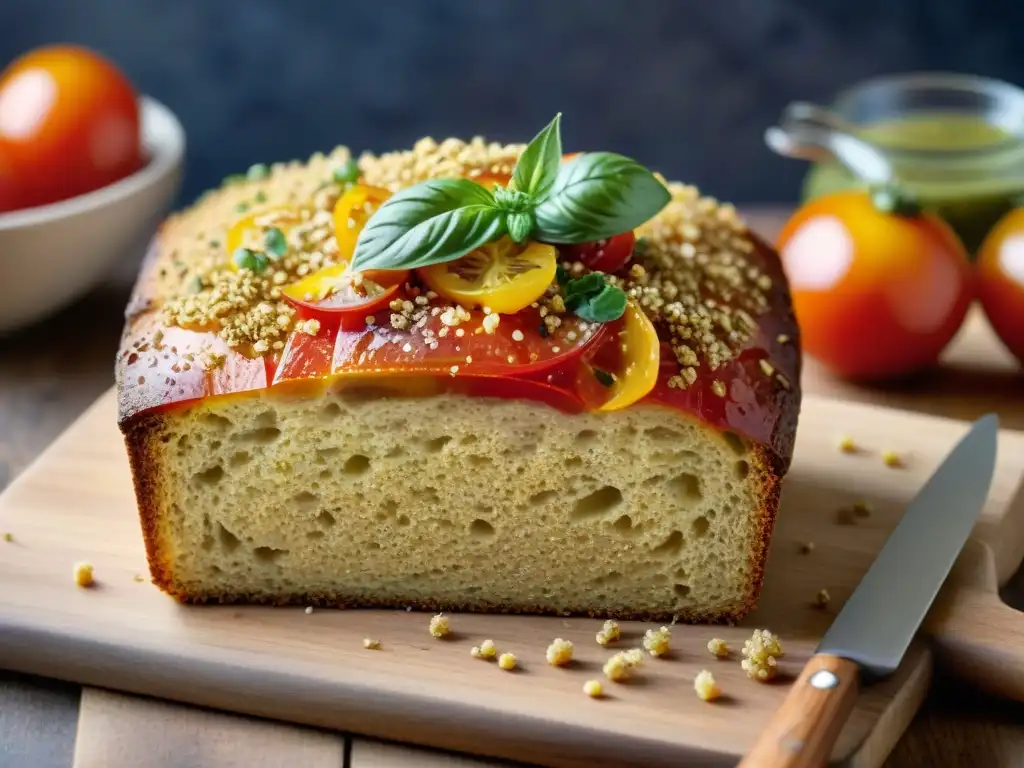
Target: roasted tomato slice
{"points": [[351, 212], [336, 295], [261, 232], [502, 276], [513, 348], [608, 256], [625, 367]]}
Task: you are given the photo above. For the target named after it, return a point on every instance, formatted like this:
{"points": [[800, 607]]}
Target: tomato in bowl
{"points": [[59, 239]]}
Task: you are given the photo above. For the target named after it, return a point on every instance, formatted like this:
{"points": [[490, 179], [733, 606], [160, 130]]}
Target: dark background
{"points": [[687, 86]]}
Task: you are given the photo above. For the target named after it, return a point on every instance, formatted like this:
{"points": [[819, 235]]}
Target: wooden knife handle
{"points": [[806, 726]]}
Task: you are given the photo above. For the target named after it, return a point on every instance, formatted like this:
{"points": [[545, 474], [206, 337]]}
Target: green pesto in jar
{"points": [[963, 166]]}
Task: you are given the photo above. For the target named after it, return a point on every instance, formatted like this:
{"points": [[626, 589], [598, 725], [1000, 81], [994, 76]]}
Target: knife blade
{"points": [[878, 622]]}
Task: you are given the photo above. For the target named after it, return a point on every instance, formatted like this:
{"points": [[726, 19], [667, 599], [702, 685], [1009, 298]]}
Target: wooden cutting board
{"points": [[75, 504]]}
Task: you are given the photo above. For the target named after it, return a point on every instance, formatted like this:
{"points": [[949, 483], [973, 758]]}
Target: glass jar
{"points": [[956, 142]]}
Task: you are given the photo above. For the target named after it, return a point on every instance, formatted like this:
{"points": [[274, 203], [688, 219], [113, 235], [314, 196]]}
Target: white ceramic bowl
{"points": [[52, 254]]}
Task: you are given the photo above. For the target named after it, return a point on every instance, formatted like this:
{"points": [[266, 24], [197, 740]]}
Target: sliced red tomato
{"points": [[514, 348], [338, 297], [351, 213], [608, 256]]}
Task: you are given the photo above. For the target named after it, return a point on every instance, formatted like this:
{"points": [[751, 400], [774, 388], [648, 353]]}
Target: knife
{"points": [[870, 635]]}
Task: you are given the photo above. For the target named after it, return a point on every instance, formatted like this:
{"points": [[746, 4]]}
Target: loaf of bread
{"points": [[278, 460]]}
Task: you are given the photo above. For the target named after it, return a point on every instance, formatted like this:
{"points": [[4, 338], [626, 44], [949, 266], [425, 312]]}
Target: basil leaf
{"points": [[519, 226], [428, 223], [598, 195], [606, 306], [583, 288], [538, 166]]}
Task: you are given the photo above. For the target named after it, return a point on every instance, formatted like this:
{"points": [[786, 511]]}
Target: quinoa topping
{"points": [[692, 270]]}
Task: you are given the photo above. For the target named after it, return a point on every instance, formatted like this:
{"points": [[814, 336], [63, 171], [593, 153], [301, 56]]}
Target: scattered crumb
{"points": [[761, 652], [806, 547], [609, 633], [862, 509], [892, 459], [486, 650], [309, 609], [822, 599], [593, 689], [371, 644], [717, 647], [439, 626], [706, 687], [621, 665], [847, 445], [656, 641], [8, 536], [559, 652], [507, 661], [83, 574], [138, 577]]}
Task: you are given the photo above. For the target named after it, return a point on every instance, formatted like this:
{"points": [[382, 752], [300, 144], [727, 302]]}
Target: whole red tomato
{"points": [[69, 124], [1001, 280], [878, 292]]}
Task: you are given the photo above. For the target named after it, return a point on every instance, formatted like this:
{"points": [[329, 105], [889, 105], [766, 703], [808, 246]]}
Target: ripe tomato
{"points": [[608, 256], [1000, 276], [69, 124], [336, 295], [877, 294], [502, 275]]}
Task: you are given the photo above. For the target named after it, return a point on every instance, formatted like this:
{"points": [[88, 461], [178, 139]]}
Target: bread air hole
{"points": [[481, 530], [624, 527], [735, 442], [331, 410], [260, 436], [437, 444], [600, 502], [305, 498], [700, 526], [326, 519], [671, 547], [686, 487], [228, 541], [268, 554], [681, 590], [356, 465], [210, 476], [742, 470]]}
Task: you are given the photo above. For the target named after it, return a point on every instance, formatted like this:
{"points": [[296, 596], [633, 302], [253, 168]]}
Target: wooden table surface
{"points": [[49, 374]]}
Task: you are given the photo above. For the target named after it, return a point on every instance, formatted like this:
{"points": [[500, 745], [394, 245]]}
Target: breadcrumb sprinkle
{"points": [[486, 650], [440, 626], [83, 574], [822, 599], [622, 664], [717, 647], [847, 444], [760, 654], [806, 547], [656, 641], [309, 610], [862, 508], [371, 644], [507, 661], [609, 633], [892, 459], [8, 536], [706, 687], [559, 653], [593, 689]]}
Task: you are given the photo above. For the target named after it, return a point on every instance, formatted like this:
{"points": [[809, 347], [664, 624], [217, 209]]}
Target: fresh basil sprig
{"points": [[592, 197]]}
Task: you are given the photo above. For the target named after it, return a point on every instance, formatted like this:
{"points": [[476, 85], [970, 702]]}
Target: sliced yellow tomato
{"points": [[503, 276], [250, 231], [351, 213], [641, 356]]}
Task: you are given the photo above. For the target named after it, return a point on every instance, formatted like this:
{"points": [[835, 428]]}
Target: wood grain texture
{"points": [[804, 729], [76, 504], [118, 731], [367, 753]]}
